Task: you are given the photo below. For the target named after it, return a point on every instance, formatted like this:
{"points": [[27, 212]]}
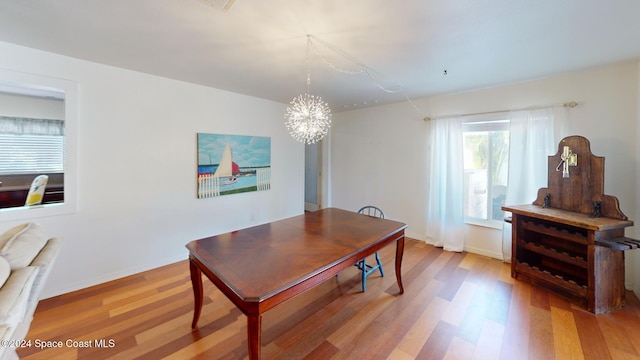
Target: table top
{"points": [[568, 217], [258, 262]]}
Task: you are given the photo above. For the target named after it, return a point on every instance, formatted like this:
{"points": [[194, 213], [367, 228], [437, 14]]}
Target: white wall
{"points": [[633, 259], [136, 194], [377, 158], [378, 154]]}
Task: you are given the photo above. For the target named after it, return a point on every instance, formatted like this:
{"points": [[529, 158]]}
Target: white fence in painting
{"points": [[209, 186], [264, 179]]}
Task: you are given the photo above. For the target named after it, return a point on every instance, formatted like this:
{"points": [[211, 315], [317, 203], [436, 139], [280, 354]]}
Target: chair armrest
{"points": [[14, 294], [48, 253]]}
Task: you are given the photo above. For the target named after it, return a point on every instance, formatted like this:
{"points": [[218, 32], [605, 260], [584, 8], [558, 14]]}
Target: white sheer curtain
{"points": [[445, 216], [534, 135]]}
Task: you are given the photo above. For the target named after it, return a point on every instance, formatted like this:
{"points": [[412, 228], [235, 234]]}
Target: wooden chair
{"points": [[362, 265]]}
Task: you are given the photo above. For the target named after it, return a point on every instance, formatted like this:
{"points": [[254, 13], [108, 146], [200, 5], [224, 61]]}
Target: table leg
{"points": [[196, 283], [254, 332], [399, 253]]}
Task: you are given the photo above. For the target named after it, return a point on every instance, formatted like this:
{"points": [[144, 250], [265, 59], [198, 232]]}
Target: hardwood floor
{"points": [[455, 306]]}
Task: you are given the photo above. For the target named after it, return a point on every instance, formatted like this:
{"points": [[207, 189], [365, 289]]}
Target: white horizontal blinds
{"points": [[31, 145]]}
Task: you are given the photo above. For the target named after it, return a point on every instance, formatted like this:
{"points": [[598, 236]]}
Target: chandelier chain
{"points": [[331, 65], [308, 118], [364, 69], [308, 65]]}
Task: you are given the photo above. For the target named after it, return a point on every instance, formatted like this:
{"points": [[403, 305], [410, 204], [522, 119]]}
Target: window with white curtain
{"points": [[528, 136], [486, 166]]}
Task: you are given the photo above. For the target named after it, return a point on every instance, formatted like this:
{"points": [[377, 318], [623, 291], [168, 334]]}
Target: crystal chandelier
{"points": [[308, 118]]}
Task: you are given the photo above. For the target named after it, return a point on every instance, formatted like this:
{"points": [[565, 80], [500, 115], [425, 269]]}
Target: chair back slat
{"points": [[371, 210]]}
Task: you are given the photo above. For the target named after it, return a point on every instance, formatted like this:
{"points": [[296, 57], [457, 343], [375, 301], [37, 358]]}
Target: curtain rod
{"points": [[568, 104]]}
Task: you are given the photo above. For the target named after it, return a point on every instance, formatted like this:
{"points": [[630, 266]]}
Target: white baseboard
{"points": [[483, 252], [109, 277], [415, 236], [311, 207]]}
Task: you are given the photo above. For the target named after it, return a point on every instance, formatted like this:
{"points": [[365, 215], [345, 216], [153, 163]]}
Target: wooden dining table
{"points": [[262, 266]]}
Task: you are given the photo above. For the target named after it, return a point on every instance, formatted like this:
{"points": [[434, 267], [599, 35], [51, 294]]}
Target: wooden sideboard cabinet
{"points": [[571, 239], [568, 253]]}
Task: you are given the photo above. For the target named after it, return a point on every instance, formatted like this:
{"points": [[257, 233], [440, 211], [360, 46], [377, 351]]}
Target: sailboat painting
{"points": [[230, 164]]}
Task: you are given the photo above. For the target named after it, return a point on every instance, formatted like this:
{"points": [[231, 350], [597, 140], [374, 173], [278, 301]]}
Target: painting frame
{"points": [[232, 164]]}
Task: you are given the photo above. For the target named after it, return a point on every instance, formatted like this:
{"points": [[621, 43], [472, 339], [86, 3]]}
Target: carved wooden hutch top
{"points": [[575, 193]]}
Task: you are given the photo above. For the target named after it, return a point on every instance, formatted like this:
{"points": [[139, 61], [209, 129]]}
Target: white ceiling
{"points": [[258, 47]]}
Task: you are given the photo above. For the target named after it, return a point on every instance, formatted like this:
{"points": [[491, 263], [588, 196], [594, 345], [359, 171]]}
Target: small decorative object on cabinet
{"points": [[571, 239]]}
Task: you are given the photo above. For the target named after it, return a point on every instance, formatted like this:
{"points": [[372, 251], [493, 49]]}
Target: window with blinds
{"points": [[24, 154], [38, 136], [31, 146]]}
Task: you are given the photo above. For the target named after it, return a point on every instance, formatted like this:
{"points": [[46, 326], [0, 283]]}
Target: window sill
{"points": [[22, 213], [493, 224]]}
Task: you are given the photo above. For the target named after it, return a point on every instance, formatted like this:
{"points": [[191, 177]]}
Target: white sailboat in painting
{"points": [[226, 168]]}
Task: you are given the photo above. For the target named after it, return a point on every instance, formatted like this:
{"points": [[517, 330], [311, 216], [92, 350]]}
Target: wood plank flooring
{"points": [[455, 306]]}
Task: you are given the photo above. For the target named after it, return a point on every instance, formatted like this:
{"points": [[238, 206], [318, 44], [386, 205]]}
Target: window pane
{"points": [[486, 158], [499, 172], [475, 173]]}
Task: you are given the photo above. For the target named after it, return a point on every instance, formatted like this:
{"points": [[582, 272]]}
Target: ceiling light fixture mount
{"points": [[308, 118]]}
